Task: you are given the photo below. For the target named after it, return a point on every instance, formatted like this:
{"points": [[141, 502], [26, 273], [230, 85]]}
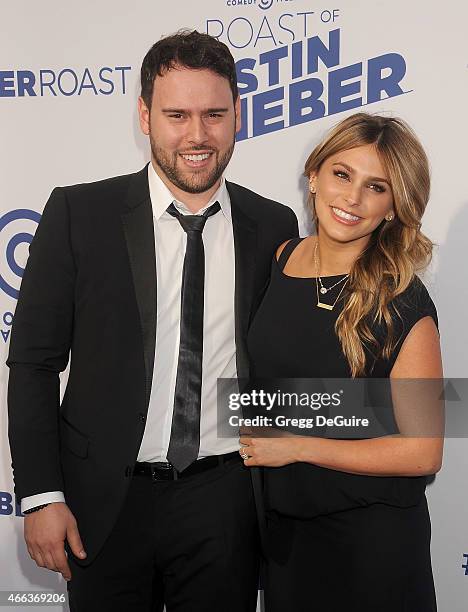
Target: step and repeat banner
{"points": [[69, 81]]}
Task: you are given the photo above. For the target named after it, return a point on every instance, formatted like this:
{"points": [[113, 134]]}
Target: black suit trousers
{"points": [[189, 544]]}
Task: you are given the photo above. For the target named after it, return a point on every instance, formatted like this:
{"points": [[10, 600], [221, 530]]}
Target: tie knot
{"points": [[193, 223]]}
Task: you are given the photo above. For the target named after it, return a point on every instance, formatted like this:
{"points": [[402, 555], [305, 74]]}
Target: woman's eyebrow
{"points": [[371, 178]]}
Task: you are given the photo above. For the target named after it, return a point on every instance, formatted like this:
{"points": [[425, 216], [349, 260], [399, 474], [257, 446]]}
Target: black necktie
{"points": [[185, 432]]}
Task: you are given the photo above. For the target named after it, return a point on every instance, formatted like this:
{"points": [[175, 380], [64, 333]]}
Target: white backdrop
{"points": [[69, 77]]}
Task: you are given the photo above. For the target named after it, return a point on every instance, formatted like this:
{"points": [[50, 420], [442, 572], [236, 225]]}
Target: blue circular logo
{"points": [[14, 239]]}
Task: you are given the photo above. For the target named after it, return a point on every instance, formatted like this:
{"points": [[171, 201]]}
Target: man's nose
{"points": [[197, 132]]}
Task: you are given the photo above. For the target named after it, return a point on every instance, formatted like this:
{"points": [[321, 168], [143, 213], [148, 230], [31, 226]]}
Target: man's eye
{"points": [[176, 116]]}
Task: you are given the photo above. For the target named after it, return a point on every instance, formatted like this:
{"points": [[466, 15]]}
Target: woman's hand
{"points": [[270, 452]]}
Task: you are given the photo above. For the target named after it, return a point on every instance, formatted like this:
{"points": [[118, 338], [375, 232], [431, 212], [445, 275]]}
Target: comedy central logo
{"points": [[17, 228], [261, 4]]}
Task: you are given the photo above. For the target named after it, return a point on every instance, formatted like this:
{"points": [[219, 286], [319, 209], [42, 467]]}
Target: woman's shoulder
{"points": [[284, 251], [288, 245], [414, 303], [406, 309]]}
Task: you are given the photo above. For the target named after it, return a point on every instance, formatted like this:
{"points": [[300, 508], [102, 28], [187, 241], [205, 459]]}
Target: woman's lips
{"points": [[344, 217]]}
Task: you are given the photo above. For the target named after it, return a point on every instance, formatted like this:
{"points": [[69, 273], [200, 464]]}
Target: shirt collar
{"points": [[161, 197]]}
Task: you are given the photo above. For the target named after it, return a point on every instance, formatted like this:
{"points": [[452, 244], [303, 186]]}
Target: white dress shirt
{"points": [[219, 350]]}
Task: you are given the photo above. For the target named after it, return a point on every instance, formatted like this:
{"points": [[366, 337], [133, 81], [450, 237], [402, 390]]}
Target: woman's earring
{"points": [[389, 217], [312, 189]]}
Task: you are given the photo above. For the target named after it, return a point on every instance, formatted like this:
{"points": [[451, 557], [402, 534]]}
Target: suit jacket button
{"points": [[128, 471], [142, 417]]}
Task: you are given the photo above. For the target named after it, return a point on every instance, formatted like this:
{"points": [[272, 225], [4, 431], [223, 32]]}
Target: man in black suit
{"points": [[150, 281]]}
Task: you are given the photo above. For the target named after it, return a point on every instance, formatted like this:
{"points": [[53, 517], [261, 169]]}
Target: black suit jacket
{"points": [[89, 287]]}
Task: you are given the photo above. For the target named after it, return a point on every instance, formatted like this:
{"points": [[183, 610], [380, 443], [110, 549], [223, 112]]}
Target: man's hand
{"points": [[45, 532]]}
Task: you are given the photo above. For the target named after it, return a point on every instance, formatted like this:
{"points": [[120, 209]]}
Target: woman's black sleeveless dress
{"points": [[337, 541]]}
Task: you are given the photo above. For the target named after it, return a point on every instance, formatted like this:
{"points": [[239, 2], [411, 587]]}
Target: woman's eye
{"points": [[376, 187], [341, 174]]}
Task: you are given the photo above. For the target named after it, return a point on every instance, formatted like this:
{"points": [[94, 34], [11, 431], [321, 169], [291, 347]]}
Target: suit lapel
{"points": [[137, 220], [245, 248]]}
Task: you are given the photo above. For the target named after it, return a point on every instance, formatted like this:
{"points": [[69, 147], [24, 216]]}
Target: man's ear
{"points": [[237, 110], [143, 116]]}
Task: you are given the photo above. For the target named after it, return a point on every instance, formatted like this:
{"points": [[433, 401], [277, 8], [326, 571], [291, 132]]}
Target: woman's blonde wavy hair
{"points": [[397, 249]]}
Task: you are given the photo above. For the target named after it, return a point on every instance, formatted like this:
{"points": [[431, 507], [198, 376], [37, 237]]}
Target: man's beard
{"points": [[195, 182]]}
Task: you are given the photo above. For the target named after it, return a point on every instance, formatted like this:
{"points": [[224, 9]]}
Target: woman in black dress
{"points": [[348, 524]]}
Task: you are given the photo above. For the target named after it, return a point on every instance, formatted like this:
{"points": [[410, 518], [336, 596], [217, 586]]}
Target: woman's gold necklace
{"points": [[324, 290]]}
